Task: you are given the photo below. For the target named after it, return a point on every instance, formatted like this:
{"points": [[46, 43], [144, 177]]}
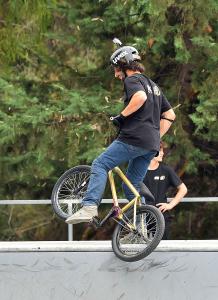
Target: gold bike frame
{"points": [[133, 202]]}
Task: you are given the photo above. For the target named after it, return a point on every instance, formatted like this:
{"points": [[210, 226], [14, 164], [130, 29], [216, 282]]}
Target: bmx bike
{"points": [[139, 228]]}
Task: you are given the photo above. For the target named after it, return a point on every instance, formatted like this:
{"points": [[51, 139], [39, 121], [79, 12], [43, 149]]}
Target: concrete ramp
{"points": [[90, 271]]}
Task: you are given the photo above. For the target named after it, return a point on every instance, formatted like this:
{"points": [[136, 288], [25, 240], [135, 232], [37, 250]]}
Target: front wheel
{"points": [[135, 245]]}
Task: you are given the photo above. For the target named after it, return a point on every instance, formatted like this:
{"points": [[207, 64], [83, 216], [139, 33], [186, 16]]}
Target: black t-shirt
{"points": [[160, 180], [142, 128]]}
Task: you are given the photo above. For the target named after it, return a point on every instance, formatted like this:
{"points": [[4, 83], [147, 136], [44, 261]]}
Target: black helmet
{"points": [[124, 55]]}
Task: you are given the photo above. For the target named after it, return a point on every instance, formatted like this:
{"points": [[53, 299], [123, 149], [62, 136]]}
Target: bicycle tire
{"points": [[160, 225], [67, 190]]}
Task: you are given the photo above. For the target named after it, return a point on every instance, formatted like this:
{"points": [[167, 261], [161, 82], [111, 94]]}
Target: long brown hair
{"points": [[133, 65]]}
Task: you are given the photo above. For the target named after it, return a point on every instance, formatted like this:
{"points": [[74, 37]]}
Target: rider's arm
{"points": [[166, 120], [137, 100]]}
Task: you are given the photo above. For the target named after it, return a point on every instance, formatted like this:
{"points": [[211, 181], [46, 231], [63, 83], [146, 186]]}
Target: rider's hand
{"points": [[164, 206], [118, 120]]}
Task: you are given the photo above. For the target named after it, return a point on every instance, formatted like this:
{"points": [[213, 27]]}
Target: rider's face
{"points": [[119, 74]]}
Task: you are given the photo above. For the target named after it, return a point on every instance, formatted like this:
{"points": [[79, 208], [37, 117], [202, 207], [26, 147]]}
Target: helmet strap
{"points": [[124, 72], [123, 69]]}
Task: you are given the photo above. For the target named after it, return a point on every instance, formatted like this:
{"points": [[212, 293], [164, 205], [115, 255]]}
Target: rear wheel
{"points": [[69, 191], [134, 245]]}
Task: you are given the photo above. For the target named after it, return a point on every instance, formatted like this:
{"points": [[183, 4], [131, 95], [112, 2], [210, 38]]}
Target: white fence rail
{"points": [[104, 201], [40, 201]]}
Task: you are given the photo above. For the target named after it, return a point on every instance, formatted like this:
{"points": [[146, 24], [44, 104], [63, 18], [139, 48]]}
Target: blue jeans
{"points": [[116, 154]]}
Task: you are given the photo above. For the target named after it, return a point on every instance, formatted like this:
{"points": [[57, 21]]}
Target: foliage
{"points": [[57, 89]]}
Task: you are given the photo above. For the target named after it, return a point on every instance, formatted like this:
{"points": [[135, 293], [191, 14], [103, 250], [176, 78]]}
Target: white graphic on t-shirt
{"points": [[159, 177], [156, 91], [149, 89]]}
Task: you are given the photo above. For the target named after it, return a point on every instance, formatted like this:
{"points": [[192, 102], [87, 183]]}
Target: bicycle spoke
{"points": [[72, 190], [136, 241]]}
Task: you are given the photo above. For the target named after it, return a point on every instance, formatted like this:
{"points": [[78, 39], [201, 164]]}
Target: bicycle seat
{"points": [[145, 192]]}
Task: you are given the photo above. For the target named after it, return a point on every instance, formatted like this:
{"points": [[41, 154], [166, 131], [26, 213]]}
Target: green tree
{"points": [[57, 89]]}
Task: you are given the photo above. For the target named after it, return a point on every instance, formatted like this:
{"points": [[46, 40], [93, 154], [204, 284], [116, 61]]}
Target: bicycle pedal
{"points": [[96, 221]]}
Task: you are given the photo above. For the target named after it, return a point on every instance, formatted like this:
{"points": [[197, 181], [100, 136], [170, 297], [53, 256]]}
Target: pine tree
{"points": [[57, 88]]}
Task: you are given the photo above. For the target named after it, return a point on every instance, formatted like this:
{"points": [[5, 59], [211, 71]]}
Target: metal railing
{"points": [[104, 201]]}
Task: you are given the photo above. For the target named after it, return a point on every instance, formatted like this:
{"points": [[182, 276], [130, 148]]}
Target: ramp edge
{"points": [[105, 246]]}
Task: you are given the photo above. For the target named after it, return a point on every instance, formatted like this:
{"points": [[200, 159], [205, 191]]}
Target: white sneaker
{"points": [[85, 214]]}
